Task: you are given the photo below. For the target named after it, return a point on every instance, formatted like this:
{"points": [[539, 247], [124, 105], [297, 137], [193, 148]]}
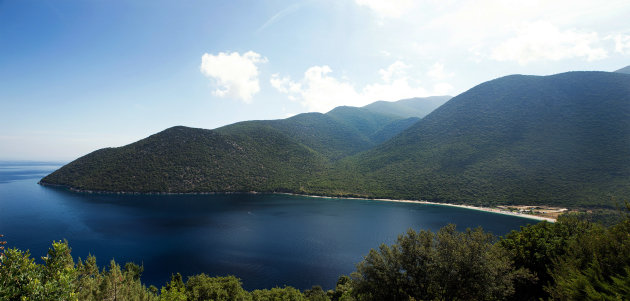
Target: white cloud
{"points": [[319, 91], [236, 75], [474, 20], [387, 8], [482, 25], [544, 41], [437, 72], [284, 85], [622, 43], [396, 89], [322, 92], [394, 70], [442, 89]]}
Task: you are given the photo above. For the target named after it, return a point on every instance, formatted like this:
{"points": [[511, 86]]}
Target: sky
{"points": [[80, 75]]}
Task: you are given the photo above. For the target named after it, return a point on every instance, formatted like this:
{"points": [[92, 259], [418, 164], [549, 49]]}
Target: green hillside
{"points": [[271, 155], [339, 133], [561, 139], [392, 129], [183, 159], [316, 131]]}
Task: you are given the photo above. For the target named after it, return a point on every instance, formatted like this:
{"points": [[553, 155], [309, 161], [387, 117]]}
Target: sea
{"points": [[266, 240]]}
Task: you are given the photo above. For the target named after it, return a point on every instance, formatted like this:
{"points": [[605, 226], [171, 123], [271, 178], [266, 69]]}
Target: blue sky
{"points": [[79, 75]]}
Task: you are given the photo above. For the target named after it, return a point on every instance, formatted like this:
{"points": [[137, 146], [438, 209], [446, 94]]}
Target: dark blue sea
{"points": [[266, 240]]}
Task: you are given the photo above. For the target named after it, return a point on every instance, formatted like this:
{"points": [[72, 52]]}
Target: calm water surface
{"points": [[266, 240]]}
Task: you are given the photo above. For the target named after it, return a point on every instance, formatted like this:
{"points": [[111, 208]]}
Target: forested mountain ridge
{"points": [[181, 159], [348, 130], [269, 155], [561, 139]]}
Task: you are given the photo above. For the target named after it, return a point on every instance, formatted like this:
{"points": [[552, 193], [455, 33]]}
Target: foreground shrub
{"points": [[447, 265]]}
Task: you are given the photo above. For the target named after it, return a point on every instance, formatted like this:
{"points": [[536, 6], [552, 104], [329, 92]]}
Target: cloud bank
{"points": [[543, 41], [319, 91], [235, 75]]}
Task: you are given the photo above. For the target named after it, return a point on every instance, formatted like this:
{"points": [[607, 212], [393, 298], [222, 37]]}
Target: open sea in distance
{"points": [[266, 240]]}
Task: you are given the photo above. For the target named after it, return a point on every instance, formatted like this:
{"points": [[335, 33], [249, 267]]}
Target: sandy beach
{"points": [[486, 209]]}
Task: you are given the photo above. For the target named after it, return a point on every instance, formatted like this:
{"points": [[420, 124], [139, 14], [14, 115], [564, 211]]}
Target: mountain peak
{"points": [[559, 139], [518, 138], [411, 107]]}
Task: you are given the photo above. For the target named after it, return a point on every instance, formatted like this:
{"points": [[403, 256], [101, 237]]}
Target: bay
{"points": [[267, 240]]}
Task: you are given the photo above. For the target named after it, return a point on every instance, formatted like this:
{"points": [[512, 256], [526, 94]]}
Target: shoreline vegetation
{"points": [[505, 210], [571, 259]]}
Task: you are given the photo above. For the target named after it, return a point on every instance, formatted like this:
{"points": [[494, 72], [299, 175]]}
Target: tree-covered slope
{"points": [[392, 129], [182, 159], [317, 131], [271, 155], [341, 132], [561, 139]]}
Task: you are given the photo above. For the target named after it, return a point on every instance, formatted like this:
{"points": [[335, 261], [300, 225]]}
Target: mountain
{"points": [[268, 155], [561, 139], [182, 159], [413, 107], [372, 125], [625, 70], [347, 130], [557, 140], [319, 132]]}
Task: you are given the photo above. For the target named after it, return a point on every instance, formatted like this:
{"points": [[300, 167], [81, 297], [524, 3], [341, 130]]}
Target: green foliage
{"points": [[569, 260], [533, 250], [596, 266], [88, 278], [343, 290], [20, 276], [392, 129], [175, 290], [58, 273], [552, 140], [278, 155], [58, 278], [447, 265], [316, 293], [604, 216], [182, 159], [286, 293], [203, 287], [22, 279]]}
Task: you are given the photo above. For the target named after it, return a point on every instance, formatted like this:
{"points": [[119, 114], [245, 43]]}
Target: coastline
{"points": [[478, 208], [486, 209]]}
